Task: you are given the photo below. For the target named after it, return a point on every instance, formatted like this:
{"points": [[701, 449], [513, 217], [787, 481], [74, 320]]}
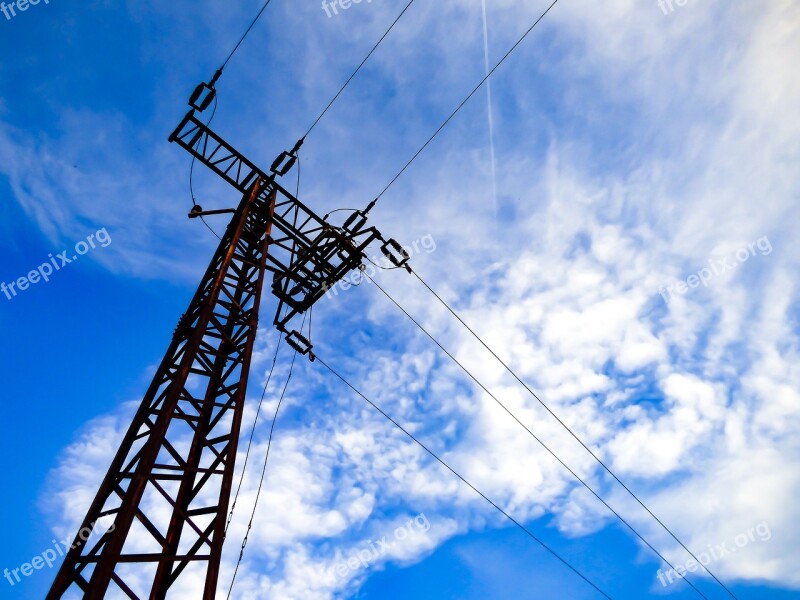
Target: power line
{"points": [[210, 228], [531, 433], [253, 431], [244, 35], [191, 175], [460, 106], [214, 111], [569, 430], [322, 114], [263, 475], [363, 62], [454, 472]]}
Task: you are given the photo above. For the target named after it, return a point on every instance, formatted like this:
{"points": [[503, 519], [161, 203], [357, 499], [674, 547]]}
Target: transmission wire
{"points": [[191, 175], [460, 106], [405, 167], [565, 426], [271, 432], [533, 435], [363, 62], [244, 35], [263, 475], [454, 472], [253, 431], [213, 112]]}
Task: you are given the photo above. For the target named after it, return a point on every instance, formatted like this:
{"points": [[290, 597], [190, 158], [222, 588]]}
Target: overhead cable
{"points": [[460, 106], [363, 62], [571, 432], [464, 480], [531, 433]]}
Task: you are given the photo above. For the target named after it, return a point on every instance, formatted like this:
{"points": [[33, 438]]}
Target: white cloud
{"points": [[695, 401]]}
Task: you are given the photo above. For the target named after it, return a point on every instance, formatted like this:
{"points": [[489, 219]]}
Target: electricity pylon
{"points": [[161, 508]]}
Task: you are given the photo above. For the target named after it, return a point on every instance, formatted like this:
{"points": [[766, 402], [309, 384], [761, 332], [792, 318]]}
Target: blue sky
{"points": [[634, 150]]}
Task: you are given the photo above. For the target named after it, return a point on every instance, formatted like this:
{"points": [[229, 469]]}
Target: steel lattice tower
{"points": [[166, 494]]}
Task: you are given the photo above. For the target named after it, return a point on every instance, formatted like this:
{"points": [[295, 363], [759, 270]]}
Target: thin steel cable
{"points": [[244, 35], [263, 475], [533, 435], [213, 112], [363, 62], [210, 228], [461, 477], [380, 267], [264, 468], [567, 428], [335, 210], [253, 431], [191, 175], [460, 106]]}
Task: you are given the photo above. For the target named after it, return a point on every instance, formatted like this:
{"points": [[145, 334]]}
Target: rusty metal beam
{"points": [[178, 455], [213, 346]]}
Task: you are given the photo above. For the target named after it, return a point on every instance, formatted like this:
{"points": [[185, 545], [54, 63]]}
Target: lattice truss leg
{"points": [[168, 488]]}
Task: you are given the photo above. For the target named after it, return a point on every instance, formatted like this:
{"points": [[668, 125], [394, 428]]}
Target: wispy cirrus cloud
{"points": [[630, 148]]}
